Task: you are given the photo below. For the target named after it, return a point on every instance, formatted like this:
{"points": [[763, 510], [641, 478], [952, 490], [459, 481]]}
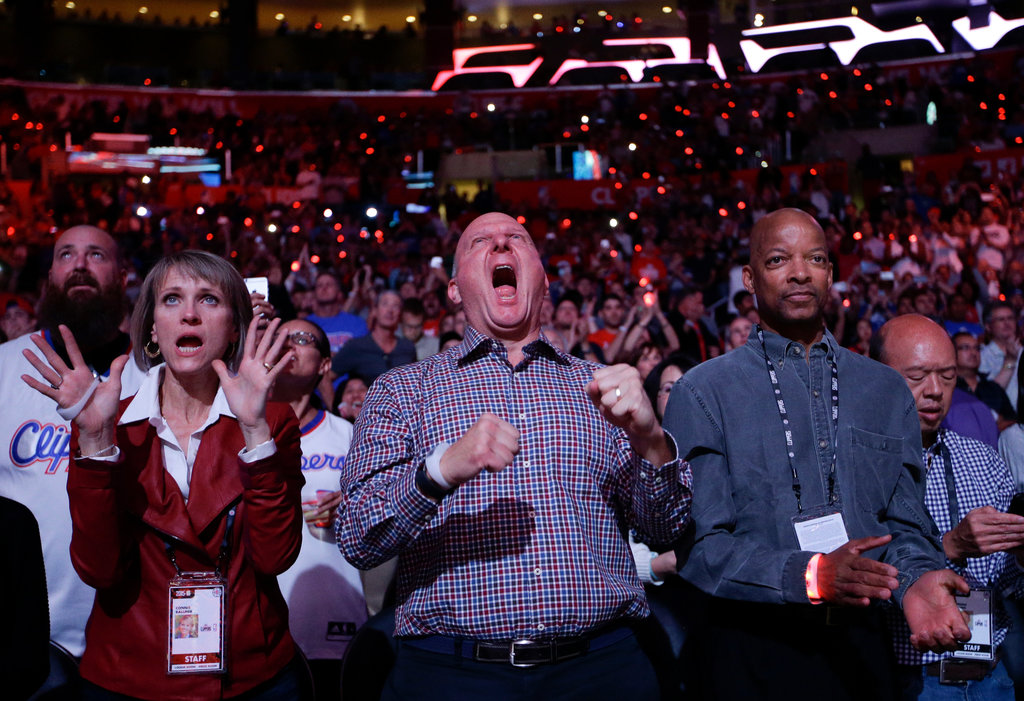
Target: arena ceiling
{"points": [[371, 14]]}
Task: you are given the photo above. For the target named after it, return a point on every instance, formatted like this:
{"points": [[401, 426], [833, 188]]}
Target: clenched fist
{"points": [[490, 444]]}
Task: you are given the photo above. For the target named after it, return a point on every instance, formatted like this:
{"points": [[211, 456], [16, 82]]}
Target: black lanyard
{"points": [[952, 503], [222, 556], [784, 416]]}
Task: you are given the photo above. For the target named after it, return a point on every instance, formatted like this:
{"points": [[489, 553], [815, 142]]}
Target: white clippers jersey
{"points": [[324, 593], [34, 471]]}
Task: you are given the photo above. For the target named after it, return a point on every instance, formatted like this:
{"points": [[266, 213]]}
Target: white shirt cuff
{"points": [[655, 579], [110, 454], [433, 465], [263, 450]]}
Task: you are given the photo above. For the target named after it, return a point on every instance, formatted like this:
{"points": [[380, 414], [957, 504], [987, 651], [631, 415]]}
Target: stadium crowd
{"points": [[925, 231], [655, 284]]}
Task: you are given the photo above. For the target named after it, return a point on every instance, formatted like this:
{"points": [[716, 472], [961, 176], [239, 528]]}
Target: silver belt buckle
{"points": [[952, 670], [512, 654]]}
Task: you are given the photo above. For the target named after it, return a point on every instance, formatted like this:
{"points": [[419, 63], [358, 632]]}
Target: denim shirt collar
{"points": [[781, 348]]}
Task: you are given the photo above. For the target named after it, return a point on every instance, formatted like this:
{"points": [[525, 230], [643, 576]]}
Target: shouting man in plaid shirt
{"points": [[968, 491], [505, 475]]}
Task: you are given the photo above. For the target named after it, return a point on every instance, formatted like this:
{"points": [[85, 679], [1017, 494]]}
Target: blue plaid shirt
{"points": [[982, 479], [538, 550]]}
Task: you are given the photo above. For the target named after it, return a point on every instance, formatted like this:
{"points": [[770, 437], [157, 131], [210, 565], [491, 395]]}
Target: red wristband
{"points": [[811, 577]]}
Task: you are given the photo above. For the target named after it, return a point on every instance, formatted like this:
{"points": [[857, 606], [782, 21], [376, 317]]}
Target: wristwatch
{"points": [[428, 486]]}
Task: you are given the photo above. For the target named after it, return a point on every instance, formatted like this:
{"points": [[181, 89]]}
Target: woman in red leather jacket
{"points": [[197, 473]]}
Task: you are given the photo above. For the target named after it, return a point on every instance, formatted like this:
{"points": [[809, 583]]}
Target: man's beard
{"points": [[94, 318]]}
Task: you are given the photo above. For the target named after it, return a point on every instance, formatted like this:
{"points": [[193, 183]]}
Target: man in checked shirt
{"points": [[968, 491], [505, 475]]}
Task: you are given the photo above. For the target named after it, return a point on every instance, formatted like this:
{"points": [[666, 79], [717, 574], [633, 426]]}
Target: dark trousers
{"points": [[761, 651], [667, 635], [620, 671], [290, 683], [326, 679]]}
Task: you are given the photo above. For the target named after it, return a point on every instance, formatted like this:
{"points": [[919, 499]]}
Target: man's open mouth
{"points": [[504, 280]]}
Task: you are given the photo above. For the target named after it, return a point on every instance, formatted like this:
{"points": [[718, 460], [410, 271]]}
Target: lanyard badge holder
{"points": [[977, 606], [820, 529], [963, 665], [197, 615]]}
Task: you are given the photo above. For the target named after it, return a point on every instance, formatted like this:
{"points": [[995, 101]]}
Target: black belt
{"points": [[519, 653], [959, 671], [527, 653]]}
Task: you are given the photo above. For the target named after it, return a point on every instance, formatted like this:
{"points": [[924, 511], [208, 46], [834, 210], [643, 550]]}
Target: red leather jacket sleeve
{"points": [[272, 532], [101, 545]]}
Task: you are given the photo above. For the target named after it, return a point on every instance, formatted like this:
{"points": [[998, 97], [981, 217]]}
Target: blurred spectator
{"points": [[348, 400], [662, 378], [449, 339], [990, 238], [745, 305], [18, 318], [611, 315], [328, 313], [380, 350], [968, 379], [454, 323], [957, 310], [864, 331], [645, 324], [1011, 443], [413, 316], [737, 332], [695, 339], [645, 358], [1001, 355], [567, 326]]}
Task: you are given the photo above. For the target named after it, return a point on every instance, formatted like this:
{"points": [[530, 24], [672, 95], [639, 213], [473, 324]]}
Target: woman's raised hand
{"points": [[72, 387], [247, 390]]}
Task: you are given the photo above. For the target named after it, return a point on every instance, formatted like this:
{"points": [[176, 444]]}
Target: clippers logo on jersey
{"points": [[35, 442], [322, 461]]}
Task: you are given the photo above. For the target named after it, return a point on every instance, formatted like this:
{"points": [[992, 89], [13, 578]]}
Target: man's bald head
{"points": [[899, 332], [921, 351], [88, 230], [499, 279], [789, 273], [767, 225]]}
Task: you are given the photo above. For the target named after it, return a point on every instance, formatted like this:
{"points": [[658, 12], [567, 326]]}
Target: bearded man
{"points": [[85, 292]]}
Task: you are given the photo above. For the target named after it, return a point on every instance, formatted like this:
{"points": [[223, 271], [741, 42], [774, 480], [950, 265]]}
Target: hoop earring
{"points": [[151, 349]]}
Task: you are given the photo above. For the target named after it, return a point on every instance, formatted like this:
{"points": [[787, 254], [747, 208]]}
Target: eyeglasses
{"points": [[302, 338]]}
